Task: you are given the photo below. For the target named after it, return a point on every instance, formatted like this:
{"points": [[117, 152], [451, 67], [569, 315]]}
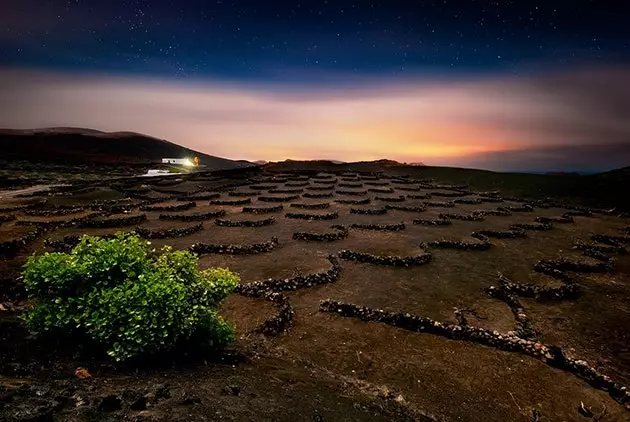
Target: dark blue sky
{"points": [[296, 40]]}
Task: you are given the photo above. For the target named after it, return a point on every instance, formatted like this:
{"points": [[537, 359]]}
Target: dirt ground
{"points": [[324, 366]]}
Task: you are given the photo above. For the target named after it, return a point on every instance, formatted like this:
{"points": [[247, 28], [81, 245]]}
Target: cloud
{"points": [[553, 119]]}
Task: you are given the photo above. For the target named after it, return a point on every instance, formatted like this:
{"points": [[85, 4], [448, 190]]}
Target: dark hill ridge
{"points": [[87, 146]]}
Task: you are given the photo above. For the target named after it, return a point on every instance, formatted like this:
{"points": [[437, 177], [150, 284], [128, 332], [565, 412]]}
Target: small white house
{"points": [[180, 161]]}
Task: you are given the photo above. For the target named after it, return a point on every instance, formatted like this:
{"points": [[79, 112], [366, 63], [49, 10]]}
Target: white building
{"points": [[180, 161]]}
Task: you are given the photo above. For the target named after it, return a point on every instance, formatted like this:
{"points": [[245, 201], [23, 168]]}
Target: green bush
{"points": [[128, 298]]}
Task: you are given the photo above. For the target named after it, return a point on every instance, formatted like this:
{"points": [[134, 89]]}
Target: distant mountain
{"points": [[417, 163], [85, 146], [260, 162]]}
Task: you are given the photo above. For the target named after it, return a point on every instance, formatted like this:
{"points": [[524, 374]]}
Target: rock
{"points": [[189, 399]]}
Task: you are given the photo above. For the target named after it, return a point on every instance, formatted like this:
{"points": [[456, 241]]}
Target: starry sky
{"points": [[503, 85]]}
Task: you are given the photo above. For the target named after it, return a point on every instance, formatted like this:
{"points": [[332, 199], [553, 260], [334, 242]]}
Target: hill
{"points": [[87, 146]]}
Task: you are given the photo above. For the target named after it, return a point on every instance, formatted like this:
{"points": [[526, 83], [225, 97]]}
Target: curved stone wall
{"points": [[235, 249], [390, 199], [317, 195], [179, 207], [287, 198], [389, 260], [531, 226], [365, 211], [463, 217], [383, 227], [353, 201], [405, 208], [202, 216], [235, 202], [433, 222], [319, 206], [306, 216], [168, 233], [245, 223], [263, 210], [341, 233], [131, 220]]}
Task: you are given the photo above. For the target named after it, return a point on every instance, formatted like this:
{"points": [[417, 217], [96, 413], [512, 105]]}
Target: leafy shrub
{"points": [[128, 298]]}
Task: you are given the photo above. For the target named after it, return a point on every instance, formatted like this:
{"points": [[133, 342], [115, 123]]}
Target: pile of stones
{"points": [[54, 212], [419, 196], [468, 201], [438, 204], [202, 216], [463, 217], [285, 190], [341, 233], [496, 213], [509, 234], [7, 218], [483, 245], [381, 227], [317, 195], [263, 187], [245, 223], [569, 290], [260, 288], [235, 202], [381, 190], [320, 188], [400, 198], [367, 211], [254, 248], [306, 216], [523, 208], [432, 222], [531, 226], [131, 220], [389, 260], [297, 184], [351, 192], [263, 210], [449, 194], [561, 220], [180, 207], [278, 198], [563, 264], [168, 233], [364, 201], [200, 196], [243, 194], [282, 320], [318, 206], [405, 208]]}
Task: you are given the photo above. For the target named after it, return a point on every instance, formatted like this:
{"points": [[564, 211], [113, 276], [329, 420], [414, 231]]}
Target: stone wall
{"points": [[341, 233], [400, 198], [364, 201], [168, 233], [382, 227], [432, 222], [235, 202], [263, 210], [366, 211], [351, 192], [306, 216], [202, 216], [286, 198], [179, 207], [317, 195], [235, 249], [405, 208], [319, 206], [245, 223], [389, 260], [131, 220]]}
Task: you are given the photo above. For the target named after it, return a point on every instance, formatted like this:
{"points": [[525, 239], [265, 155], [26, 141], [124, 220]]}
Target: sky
{"points": [[500, 85]]}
